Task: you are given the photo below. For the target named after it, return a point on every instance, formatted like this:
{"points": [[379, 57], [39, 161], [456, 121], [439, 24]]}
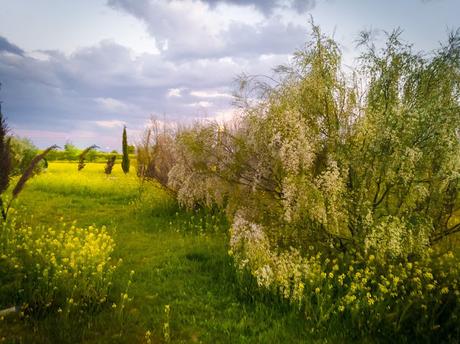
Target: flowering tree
{"points": [[338, 185], [364, 161]]}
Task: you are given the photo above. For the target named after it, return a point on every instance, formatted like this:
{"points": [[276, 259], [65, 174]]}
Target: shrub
{"points": [[155, 154], [109, 165], [361, 295], [22, 153], [71, 152], [336, 167], [336, 170], [62, 268]]}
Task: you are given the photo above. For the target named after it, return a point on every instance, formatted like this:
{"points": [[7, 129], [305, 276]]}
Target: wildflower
{"points": [[317, 290], [341, 278], [429, 275], [370, 301]]}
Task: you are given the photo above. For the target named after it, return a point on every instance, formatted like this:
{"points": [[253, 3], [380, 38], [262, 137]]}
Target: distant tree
{"points": [[70, 151], [22, 152], [131, 149], [110, 164], [82, 156], [125, 161], [92, 155]]}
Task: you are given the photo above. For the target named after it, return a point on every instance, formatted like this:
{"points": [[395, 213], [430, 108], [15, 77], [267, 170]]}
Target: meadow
{"points": [[183, 289], [327, 212]]}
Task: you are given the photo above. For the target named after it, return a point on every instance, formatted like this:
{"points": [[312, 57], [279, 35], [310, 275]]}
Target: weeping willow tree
{"points": [[367, 160]]}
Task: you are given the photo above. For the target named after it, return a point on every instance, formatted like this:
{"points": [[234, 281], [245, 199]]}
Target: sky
{"points": [[78, 71]]}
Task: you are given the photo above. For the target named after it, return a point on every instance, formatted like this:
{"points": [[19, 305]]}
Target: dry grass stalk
{"points": [[28, 173]]}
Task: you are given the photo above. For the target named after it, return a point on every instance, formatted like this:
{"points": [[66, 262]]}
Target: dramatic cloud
{"points": [[8, 47], [99, 88], [192, 30], [117, 62]]}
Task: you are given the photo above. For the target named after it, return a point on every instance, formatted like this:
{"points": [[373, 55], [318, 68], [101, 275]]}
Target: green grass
{"points": [[180, 259]]}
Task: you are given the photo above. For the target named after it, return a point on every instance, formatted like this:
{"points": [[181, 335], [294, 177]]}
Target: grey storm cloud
{"points": [[187, 38], [100, 86], [105, 83], [5, 45]]}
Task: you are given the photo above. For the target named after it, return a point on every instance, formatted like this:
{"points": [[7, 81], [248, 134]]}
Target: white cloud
{"points": [[174, 92], [110, 124], [210, 94]]}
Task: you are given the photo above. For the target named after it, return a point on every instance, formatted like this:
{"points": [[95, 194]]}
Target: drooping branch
{"points": [[28, 173]]}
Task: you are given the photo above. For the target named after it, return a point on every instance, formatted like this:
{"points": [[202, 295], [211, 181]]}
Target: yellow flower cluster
{"points": [[67, 266], [363, 287]]}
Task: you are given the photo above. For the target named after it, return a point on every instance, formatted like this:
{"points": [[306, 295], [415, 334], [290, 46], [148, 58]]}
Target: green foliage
{"points": [[22, 153], [336, 170], [71, 152], [125, 159], [341, 165], [131, 149], [416, 299], [57, 269]]}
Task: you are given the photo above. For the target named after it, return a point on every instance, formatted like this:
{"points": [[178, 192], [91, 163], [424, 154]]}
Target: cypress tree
{"points": [[5, 161], [125, 161]]}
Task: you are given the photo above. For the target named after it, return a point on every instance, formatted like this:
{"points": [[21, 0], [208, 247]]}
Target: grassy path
{"points": [[180, 261]]}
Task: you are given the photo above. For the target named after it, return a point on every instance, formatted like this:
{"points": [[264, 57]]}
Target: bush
{"points": [[66, 268], [361, 296], [378, 173], [155, 154], [22, 153], [359, 169]]}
